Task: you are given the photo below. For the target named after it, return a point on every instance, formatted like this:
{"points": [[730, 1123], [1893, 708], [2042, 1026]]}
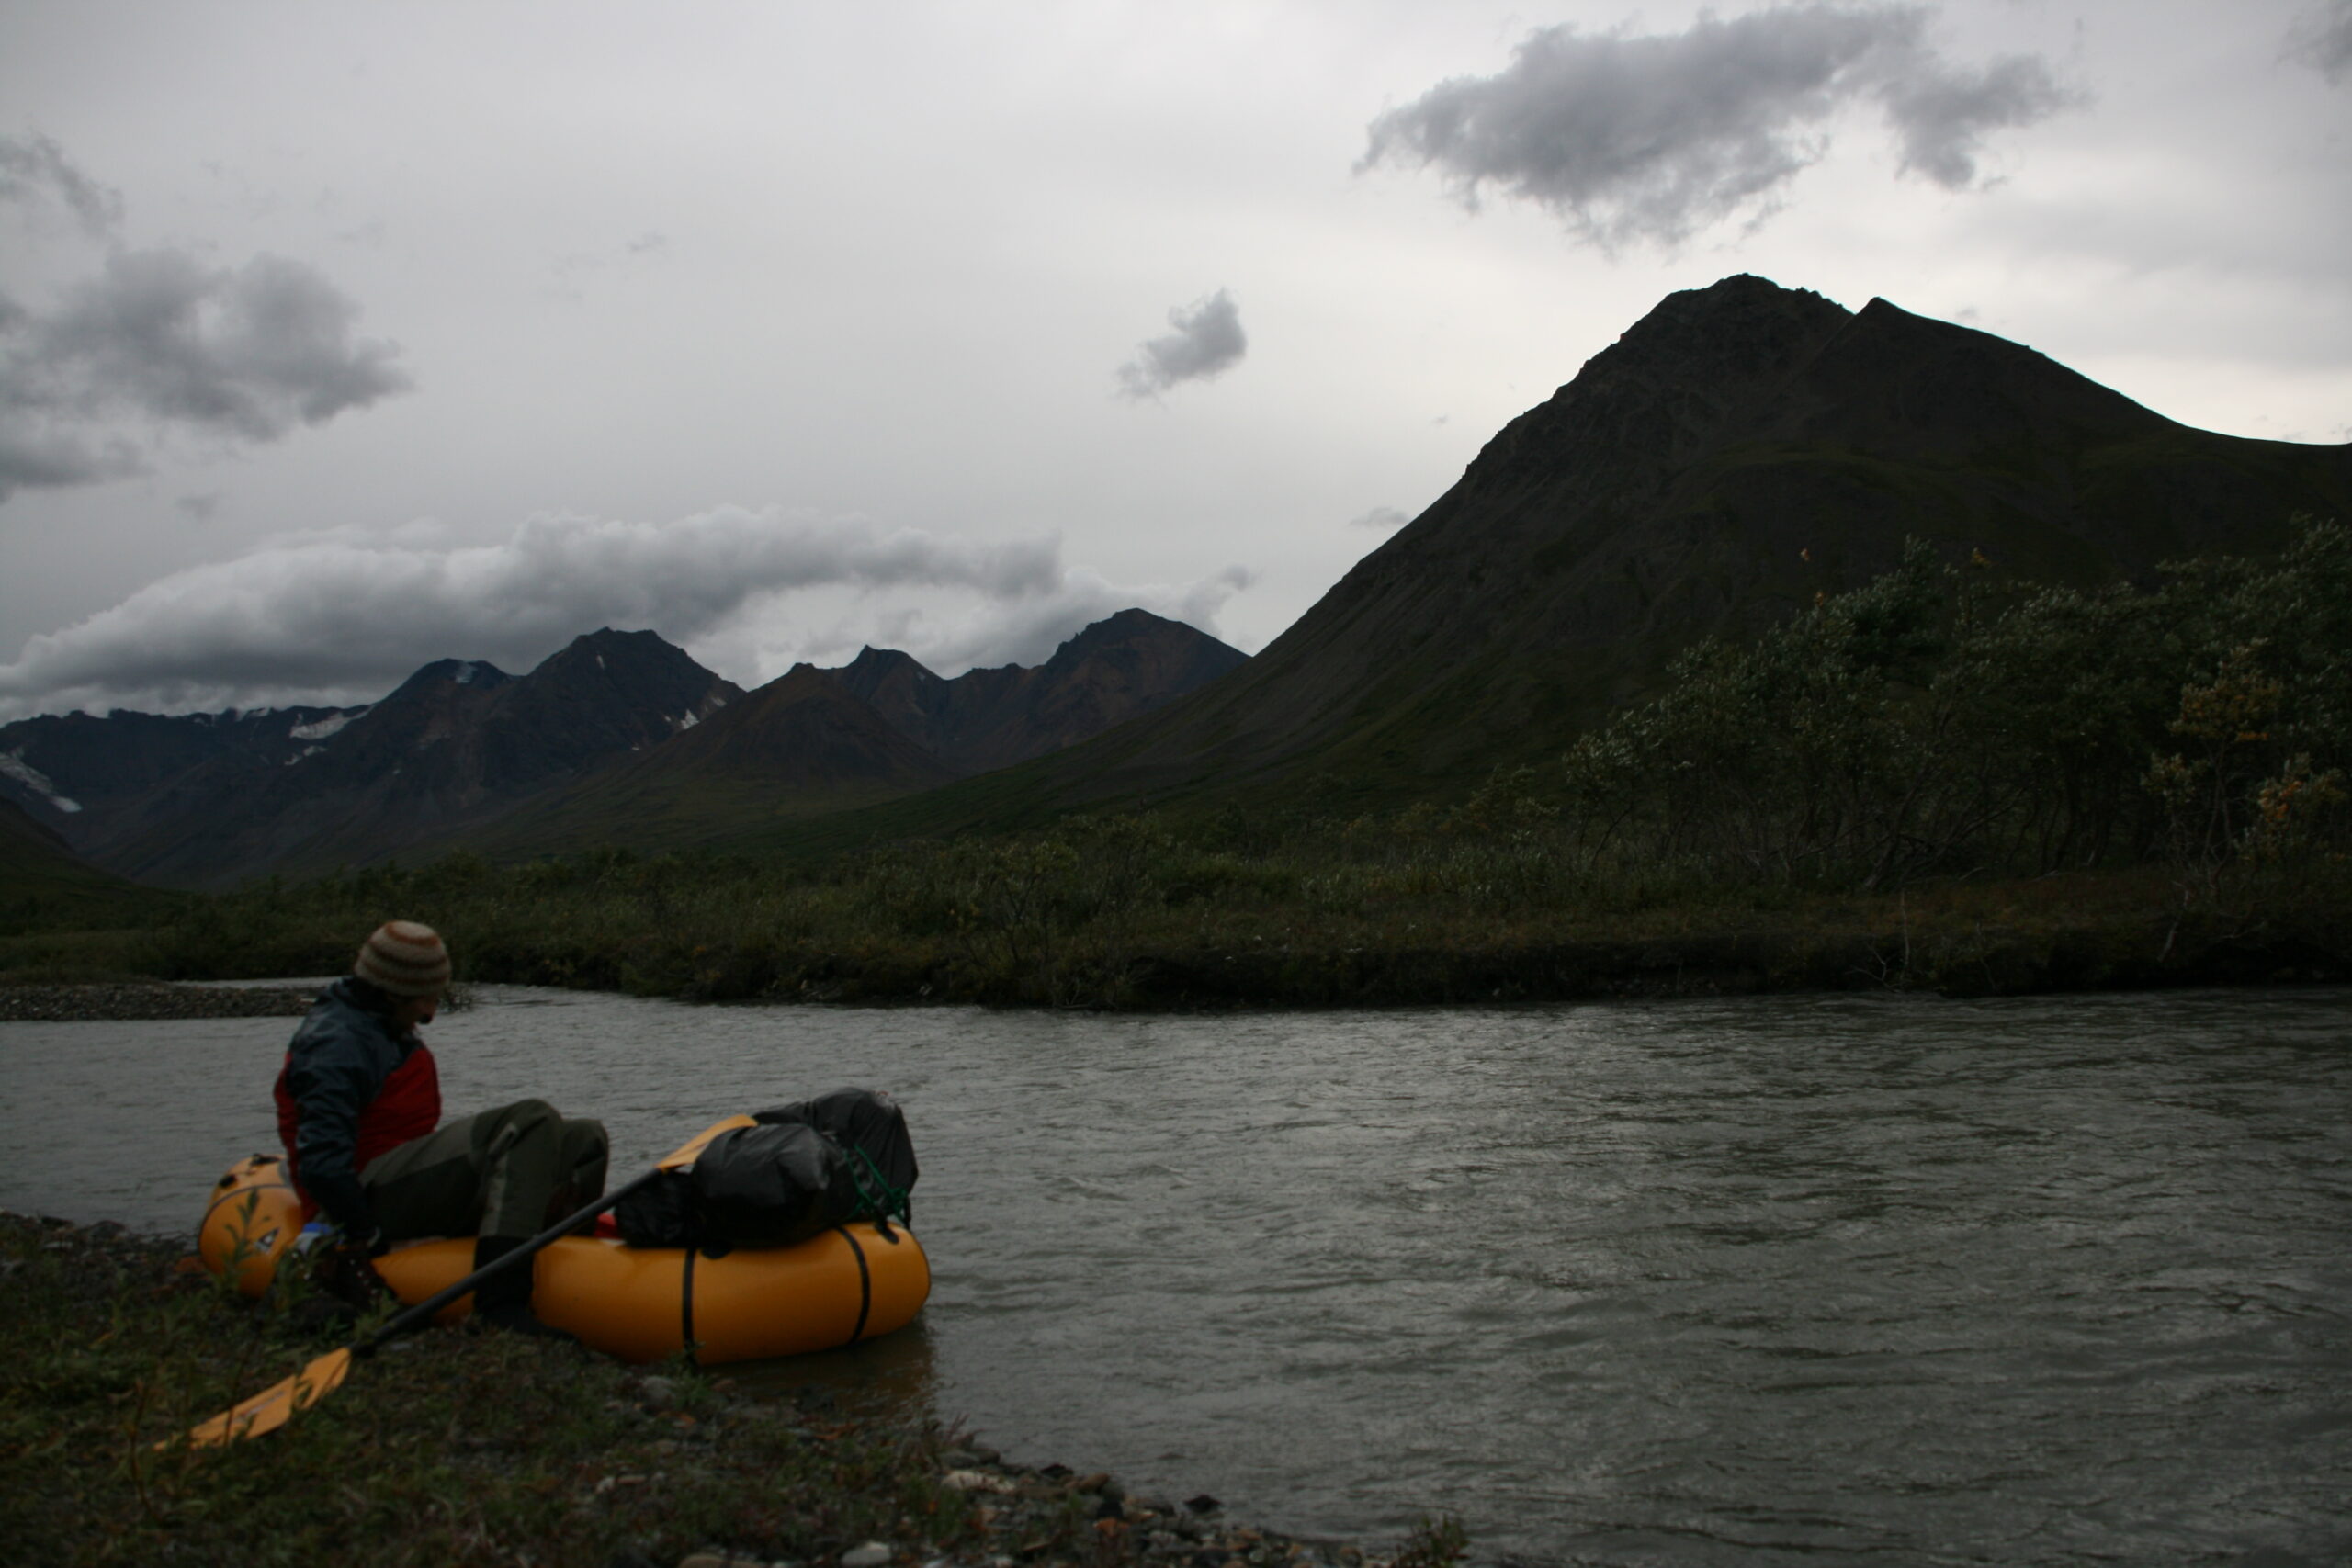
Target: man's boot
{"points": [[349, 1289], [504, 1301]]}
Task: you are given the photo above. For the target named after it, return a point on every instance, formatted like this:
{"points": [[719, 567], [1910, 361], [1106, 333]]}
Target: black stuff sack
{"points": [[660, 1214], [771, 1186], [804, 1168], [871, 1130]]}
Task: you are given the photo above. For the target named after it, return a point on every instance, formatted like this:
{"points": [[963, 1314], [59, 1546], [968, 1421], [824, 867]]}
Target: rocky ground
{"points": [[145, 1000], [535, 1454], [129, 1000]]}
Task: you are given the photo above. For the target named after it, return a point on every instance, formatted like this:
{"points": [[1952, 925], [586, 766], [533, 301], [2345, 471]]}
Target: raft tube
{"points": [[634, 1303]]}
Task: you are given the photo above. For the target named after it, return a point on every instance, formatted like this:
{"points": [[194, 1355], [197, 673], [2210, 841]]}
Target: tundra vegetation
{"points": [[1940, 778], [457, 1447]]}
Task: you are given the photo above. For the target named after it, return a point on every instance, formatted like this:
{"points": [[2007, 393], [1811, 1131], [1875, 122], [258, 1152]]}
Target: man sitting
{"points": [[359, 1111]]}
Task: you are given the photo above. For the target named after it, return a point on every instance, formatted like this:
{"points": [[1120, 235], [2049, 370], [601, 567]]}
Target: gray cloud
{"points": [[244, 354], [1380, 517], [568, 272], [2323, 40], [34, 169], [160, 342], [342, 613], [1941, 113], [31, 457], [156, 336], [1654, 137], [1207, 342]]}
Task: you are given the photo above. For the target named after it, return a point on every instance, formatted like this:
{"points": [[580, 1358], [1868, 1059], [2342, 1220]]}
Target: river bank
{"points": [[1129, 915], [457, 1448], [1963, 951], [132, 1000]]}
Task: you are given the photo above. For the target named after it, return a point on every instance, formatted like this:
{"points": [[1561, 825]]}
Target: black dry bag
{"points": [[871, 1130], [771, 1186], [803, 1169]]}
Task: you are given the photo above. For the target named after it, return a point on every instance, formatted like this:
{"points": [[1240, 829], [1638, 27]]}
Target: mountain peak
{"points": [[1658, 394], [477, 673], [874, 665], [1739, 449], [1130, 631]]}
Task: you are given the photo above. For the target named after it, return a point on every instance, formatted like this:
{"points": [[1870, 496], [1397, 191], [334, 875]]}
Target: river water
{"points": [[1872, 1279]]}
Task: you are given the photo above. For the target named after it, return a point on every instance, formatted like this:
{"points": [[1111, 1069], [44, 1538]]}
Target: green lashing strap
{"points": [[878, 1199]]}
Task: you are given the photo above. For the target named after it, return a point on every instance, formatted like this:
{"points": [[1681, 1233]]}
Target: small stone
{"points": [[720, 1560], [1093, 1481], [1202, 1504], [873, 1554], [657, 1393], [974, 1481]]}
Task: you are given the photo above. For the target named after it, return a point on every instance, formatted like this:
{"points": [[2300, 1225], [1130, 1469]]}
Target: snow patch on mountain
{"points": [[322, 728], [13, 766]]}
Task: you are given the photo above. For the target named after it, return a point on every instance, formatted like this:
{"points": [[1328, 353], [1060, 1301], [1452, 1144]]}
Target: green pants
{"points": [[513, 1172]]}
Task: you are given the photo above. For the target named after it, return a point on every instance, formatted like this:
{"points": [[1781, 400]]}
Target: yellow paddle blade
{"points": [[688, 1153], [272, 1407]]}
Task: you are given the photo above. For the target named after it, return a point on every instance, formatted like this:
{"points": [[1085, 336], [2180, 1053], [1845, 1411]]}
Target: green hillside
{"points": [[45, 889]]}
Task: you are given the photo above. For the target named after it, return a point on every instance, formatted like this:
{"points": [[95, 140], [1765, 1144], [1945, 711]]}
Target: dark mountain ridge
{"points": [[800, 745], [1117, 669], [817, 741], [1740, 449], [459, 741], [92, 778], [618, 736]]}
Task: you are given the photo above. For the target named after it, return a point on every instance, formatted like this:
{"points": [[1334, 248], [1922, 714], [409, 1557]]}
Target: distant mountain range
{"points": [[1739, 450], [617, 735]]}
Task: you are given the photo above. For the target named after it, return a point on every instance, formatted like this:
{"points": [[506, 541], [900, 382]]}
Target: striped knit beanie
{"points": [[404, 959]]}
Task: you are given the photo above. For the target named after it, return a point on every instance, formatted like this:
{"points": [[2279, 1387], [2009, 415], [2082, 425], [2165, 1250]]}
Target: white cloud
{"points": [[1207, 342], [338, 616], [1654, 137]]}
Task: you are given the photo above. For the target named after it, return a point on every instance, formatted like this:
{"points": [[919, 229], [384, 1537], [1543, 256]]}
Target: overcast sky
{"points": [[337, 339]]}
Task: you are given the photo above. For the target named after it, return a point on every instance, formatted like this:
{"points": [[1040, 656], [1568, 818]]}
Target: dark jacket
{"points": [[351, 1090]]}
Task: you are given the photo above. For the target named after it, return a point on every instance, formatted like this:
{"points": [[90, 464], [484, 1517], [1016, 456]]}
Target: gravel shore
{"points": [[675, 1429], [134, 999]]}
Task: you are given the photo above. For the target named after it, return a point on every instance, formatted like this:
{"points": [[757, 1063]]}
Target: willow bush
{"points": [[1932, 723]]}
